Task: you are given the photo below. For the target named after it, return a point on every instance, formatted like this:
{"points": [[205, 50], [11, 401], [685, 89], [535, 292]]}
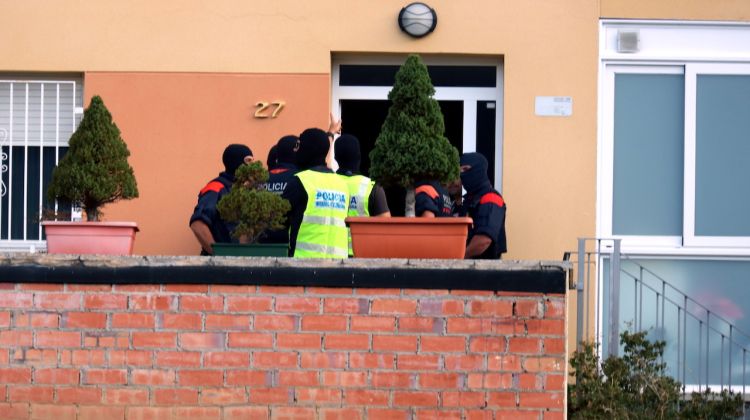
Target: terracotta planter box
{"points": [[108, 238], [409, 237]]}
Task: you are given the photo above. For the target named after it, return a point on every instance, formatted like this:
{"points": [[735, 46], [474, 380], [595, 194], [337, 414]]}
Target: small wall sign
{"points": [[268, 109], [553, 106]]}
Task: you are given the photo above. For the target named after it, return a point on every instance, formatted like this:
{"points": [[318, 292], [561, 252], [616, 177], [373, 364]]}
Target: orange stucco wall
{"points": [[187, 73], [727, 10], [176, 126], [182, 77]]}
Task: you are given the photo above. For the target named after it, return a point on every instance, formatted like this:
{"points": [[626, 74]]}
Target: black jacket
{"points": [[487, 208], [206, 211]]}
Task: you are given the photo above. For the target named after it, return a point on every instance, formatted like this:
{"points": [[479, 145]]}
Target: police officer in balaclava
{"points": [[279, 176], [361, 188], [485, 206], [319, 200], [205, 222]]}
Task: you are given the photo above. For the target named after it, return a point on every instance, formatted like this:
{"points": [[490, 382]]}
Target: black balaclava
{"points": [[285, 149], [273, 154], [347, 154], [234, 157], [313, 148], [475, 179]]}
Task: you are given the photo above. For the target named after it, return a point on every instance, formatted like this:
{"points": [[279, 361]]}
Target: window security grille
{"points": [[37, 117]]}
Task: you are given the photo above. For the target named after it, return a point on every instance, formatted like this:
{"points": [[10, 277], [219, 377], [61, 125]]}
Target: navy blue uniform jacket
{"points": [[487, 209], [206, 210], [430, 195]]}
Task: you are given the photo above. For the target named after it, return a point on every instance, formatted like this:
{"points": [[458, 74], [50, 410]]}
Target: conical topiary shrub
{"points": [[412, 146], [251, 206], [95, 170]]}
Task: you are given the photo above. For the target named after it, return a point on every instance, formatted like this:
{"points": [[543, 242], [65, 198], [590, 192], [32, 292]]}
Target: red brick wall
{"points": [[231, 352]]}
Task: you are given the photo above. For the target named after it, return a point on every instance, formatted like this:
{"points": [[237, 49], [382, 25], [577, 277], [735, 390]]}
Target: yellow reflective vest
{"points": [[360, 188], [323, 232]]}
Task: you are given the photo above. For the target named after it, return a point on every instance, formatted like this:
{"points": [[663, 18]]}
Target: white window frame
{"points": [[665, 47], [12, 139], [607, 154], [468, 95], [692, 72]]}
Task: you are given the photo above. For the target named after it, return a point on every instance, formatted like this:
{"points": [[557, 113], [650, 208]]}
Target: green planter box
{"points": [[251, 250]]}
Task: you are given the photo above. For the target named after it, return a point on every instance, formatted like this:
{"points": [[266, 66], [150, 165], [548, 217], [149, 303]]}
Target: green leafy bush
{"points": [[412, 146], [95, 170], [635, 386], [248, 204]]}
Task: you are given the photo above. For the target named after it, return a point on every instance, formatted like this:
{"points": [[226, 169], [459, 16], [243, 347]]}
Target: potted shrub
{"points": [[94, 172], [255, 211], [412, 147]]}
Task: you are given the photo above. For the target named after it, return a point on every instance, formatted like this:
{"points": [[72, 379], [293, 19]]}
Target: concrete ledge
{"points": [[509, 276]]}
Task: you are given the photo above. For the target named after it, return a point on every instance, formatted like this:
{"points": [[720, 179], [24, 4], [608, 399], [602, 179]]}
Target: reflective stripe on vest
{"points": [[320, 220], [318, 251], [323, 232]]}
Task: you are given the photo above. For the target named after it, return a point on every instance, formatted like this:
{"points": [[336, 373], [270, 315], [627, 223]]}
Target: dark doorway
{"points": [[364, 118]]}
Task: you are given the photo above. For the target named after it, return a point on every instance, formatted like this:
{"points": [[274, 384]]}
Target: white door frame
{"points": [[468, 95]]}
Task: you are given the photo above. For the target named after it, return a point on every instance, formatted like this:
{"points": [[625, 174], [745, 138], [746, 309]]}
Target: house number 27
{"points": [[268, 109]]}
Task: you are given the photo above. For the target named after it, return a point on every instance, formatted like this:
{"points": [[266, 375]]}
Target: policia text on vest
{"points": [[323, 232]]}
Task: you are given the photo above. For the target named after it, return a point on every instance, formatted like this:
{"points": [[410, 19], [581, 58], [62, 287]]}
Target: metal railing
{"points": [[615, 292]]}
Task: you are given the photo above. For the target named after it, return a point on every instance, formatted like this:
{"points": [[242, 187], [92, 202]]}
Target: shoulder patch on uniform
{"points": [[278, 171], [427, 189], [214, 186], [493, 198]]}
